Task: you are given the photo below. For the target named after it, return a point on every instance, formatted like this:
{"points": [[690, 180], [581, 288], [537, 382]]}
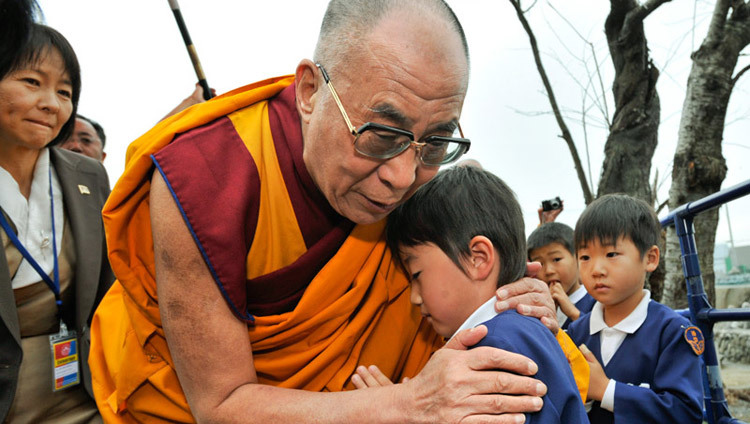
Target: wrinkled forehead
{"points": [[419, 45]]}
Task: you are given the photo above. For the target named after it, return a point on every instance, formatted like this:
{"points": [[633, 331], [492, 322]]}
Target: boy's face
{"points": [[442, 291], [558, 266], [614, 274]]}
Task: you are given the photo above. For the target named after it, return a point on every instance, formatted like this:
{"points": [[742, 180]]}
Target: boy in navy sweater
{"points": [[649, 353], [459, 238], [551, 245]]}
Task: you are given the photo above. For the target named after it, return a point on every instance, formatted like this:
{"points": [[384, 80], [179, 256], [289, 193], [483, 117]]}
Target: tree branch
{"points": [[605, 110], [636, 17], [665, 203], [739, 74], [718, 20], [587, 195]]}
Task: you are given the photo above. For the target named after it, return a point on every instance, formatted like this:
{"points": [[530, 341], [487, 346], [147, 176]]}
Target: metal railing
{"points": [[701, 313]]}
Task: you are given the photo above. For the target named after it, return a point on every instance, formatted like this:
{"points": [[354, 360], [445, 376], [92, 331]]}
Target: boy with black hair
{"points": [[650, 353], [551, 245], [459, 238]]}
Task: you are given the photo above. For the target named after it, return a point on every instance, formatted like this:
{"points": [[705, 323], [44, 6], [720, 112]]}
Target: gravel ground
{"points": [[737, 382]]}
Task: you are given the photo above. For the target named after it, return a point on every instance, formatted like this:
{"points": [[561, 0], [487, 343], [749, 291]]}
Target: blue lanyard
{"points": [[53, 285]]}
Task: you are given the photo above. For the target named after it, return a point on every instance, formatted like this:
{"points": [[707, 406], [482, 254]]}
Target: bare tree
{"points": [[634, 129], [699, 166], [634, 132], [587, 195]]}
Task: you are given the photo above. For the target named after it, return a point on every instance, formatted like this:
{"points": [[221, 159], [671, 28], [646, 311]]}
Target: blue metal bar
{"points": [[718, 315], [708, 202], [701, 313]]}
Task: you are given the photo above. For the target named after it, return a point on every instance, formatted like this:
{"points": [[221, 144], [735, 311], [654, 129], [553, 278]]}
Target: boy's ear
{"points": [[482, 258], [651, 258]]}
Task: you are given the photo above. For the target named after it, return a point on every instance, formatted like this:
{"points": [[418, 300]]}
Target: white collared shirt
{"points": [[32, 218], [574, 297], [611, 338], [482, 314]]}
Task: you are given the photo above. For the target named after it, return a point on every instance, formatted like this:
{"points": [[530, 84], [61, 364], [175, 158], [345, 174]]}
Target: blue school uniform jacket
{"points": [[658, 355], [514, 332], [584, 306]]}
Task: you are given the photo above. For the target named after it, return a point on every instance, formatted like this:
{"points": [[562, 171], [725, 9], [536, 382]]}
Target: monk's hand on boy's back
{"points": [[530, 297], [485, 384]]}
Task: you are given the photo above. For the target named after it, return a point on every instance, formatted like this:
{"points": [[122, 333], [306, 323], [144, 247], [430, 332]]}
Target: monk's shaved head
{"points": [[348, 22]]}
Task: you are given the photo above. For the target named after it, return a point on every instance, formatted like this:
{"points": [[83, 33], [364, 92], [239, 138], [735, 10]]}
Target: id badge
{"points": [[65, 356]]}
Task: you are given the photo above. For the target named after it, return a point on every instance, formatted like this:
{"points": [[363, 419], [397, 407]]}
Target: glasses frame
{"points": [[418, 145]]}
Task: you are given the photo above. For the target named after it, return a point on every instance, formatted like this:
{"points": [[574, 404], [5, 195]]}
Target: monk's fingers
{"points": [[533, 268], [526, 290], [499, 408], [490, 358], [466, 338], [495, 419], [493, 382]]}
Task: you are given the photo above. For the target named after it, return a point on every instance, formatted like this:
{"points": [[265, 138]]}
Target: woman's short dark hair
{"points": [[41, 40], [457, 205], [16, 18], [613, 216], [551, 232]]}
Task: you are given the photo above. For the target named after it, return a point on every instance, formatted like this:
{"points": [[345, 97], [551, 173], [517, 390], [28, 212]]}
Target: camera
{"points": [[551, 204]]}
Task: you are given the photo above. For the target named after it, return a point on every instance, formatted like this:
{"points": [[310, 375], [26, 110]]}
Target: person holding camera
{"points": [[550, 210]]}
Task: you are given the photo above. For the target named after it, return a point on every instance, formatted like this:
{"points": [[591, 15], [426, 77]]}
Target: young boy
{"points": [[460, 237], [552, 245], [651, 371]]}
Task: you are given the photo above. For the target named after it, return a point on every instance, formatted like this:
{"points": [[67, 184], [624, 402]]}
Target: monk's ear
{"points": [[307, 83]]}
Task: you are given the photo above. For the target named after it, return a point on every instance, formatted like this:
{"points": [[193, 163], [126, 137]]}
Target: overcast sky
{"points": [[135, 69]]}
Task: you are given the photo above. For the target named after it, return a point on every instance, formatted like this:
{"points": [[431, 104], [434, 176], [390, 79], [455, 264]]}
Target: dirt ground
{"points": [[736, 379]]}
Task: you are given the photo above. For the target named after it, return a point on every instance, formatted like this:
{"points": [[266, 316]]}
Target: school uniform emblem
{"points": [[694, 337]]}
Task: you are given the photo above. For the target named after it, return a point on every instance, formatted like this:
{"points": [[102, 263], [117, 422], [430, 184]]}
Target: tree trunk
{"points": [[634, 131], [699, 166]]}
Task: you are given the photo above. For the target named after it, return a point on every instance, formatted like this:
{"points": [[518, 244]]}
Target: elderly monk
{"points": [[247, 237]]}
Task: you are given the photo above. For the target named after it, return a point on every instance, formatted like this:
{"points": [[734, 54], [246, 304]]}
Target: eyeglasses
{"points": [[384, 142]]}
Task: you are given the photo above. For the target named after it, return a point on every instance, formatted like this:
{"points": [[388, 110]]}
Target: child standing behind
{"points": [[552, 245], [459, 238], [651, 373]]}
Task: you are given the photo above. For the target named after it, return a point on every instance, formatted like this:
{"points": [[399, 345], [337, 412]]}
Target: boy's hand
{"points": [[370, 377], [563, 301], [597, 378]]}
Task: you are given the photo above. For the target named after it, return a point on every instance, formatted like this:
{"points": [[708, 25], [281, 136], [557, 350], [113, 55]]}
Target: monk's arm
{"points": [[213, 357]]}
